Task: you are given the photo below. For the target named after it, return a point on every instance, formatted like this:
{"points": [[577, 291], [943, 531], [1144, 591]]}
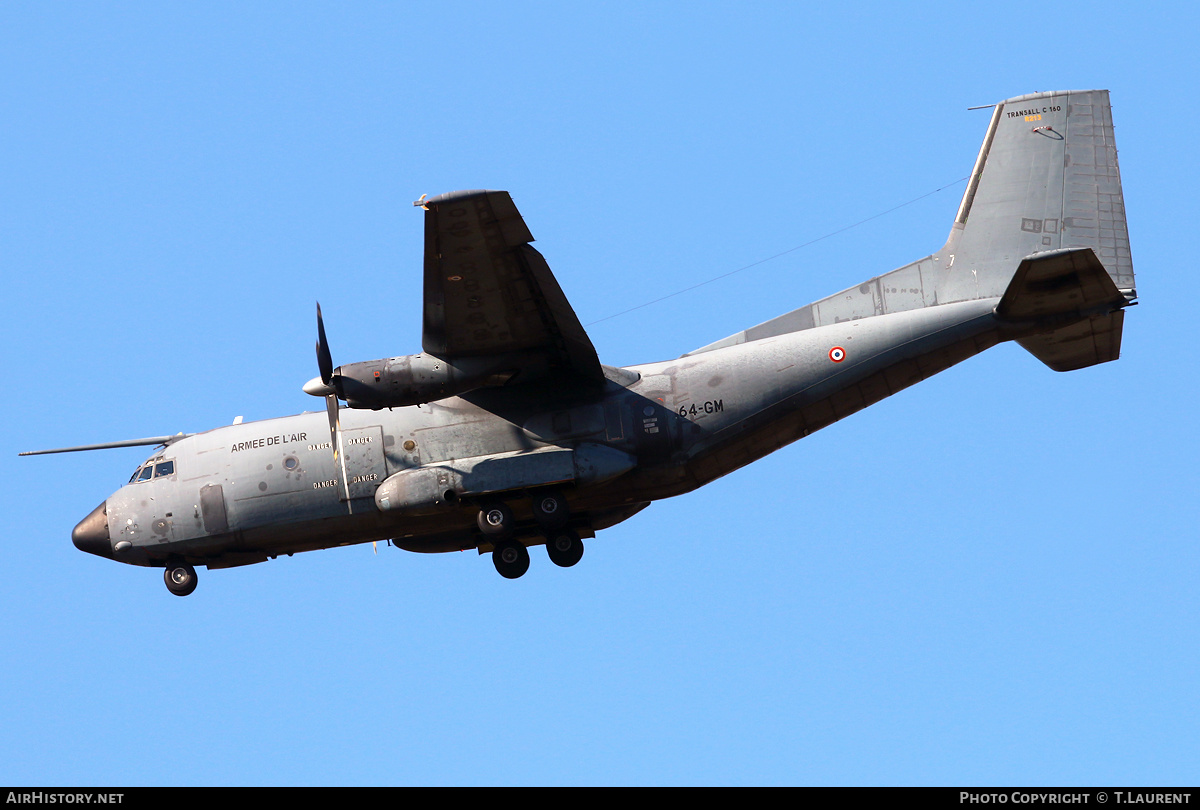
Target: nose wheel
{"points": [[180, 578]]}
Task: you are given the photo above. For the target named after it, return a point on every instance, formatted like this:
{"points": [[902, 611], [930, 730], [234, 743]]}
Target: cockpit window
{"points": [[155, 468]]}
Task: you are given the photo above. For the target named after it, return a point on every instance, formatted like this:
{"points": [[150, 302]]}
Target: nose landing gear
{"points": [[180, 578]]}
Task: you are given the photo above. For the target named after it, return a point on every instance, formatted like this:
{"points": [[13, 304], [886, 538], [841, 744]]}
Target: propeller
{"points": [[326, 384]]}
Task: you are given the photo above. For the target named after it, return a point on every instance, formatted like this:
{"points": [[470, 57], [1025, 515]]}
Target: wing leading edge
{"points": [[489, 294]]}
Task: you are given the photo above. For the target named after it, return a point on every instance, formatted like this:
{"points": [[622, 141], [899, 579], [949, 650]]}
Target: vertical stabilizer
{"points": [[1046, 179]]}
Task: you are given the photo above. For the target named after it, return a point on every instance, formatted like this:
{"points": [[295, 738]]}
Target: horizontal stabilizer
{"points": [[1064, 282], [1096, 340], [1072, 298]]}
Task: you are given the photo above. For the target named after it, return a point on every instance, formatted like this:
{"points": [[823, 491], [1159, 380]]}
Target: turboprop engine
{"points": [[398, 381], [410, 380]]}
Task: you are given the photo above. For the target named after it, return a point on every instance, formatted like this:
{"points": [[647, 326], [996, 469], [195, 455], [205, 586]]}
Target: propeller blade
{"points": [[329, 388], [335, 435], [331, 408], [324, 358]]}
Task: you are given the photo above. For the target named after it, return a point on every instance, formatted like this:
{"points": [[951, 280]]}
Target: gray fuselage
{"points": [[247, 492]]}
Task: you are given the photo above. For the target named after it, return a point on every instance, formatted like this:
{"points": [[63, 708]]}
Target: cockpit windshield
{"points": [[154, 468]]}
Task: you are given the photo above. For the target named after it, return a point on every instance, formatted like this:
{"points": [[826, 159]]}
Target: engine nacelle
{"points": [[413, 380]]}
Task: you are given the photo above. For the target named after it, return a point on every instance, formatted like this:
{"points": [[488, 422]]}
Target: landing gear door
{"points": [[362, 457]]}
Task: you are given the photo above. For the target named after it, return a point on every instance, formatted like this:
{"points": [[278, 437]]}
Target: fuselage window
{"points": [[164, 468]]}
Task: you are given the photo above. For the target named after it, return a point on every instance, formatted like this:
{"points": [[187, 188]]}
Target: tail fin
{"points": [[1046, 179]]}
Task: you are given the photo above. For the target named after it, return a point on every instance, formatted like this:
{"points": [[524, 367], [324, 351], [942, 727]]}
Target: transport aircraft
{"points": [[507, 431]]}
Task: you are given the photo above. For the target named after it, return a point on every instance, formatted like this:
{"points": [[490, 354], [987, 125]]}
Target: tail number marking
{"points": [[700, 408]]}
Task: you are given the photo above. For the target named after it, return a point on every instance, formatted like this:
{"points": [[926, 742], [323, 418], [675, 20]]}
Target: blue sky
{"points": [[988, 578]]}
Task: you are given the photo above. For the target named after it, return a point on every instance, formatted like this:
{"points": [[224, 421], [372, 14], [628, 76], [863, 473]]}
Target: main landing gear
{"points": [[180, 578], [496, 520], [511, 558], [509, 555], [550, 510], [564, 547]]}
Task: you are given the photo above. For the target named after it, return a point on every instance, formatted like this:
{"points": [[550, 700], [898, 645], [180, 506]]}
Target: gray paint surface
{"points": [[1038, 253]]}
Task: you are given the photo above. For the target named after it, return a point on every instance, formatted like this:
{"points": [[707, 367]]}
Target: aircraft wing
{"points": [[489, 294]]}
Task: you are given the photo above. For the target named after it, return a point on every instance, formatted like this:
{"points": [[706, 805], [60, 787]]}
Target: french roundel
{"points": [[837, 354]]}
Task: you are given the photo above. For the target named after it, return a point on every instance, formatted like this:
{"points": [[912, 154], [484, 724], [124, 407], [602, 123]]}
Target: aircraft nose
{"points": [[91, 535]]}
